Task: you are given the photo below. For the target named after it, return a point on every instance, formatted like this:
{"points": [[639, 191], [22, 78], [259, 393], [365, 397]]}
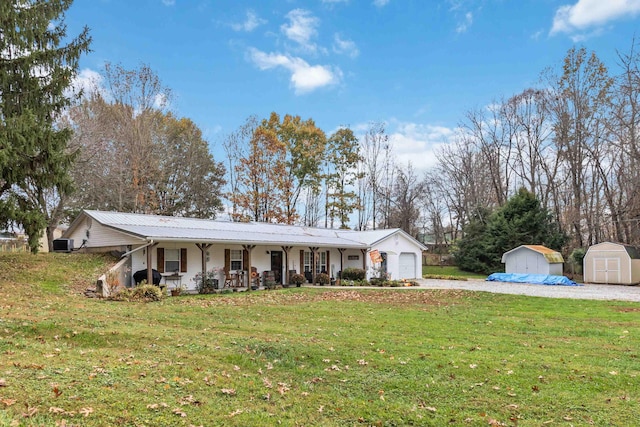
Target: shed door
{"points": [[606, 270], [407, 265]]}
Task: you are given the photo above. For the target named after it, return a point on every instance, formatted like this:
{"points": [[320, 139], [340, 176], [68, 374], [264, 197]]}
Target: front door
{"points": [[276, 265]]}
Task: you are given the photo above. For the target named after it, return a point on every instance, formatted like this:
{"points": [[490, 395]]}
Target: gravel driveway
{"points": [[601, 292]]}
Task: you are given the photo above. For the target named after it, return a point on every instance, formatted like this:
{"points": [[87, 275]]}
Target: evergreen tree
{"points": [[521, 221], [36, 72], [471, 251]]}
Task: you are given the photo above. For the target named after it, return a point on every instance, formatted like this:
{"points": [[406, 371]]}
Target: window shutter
{"points": [[301, 260], [328, 264], [227, 260], [183, 260], [245, 259], [160, 260]]}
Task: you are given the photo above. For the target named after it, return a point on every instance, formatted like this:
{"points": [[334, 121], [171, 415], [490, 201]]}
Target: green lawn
{"points": [[437, 270], [307, 357]]}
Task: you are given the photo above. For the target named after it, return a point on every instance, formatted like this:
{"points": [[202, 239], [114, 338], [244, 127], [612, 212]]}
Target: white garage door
{"points": [[407, 265]]}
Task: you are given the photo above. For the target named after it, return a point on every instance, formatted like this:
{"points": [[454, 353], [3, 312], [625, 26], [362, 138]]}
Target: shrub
{"points": [[323, 279], [209, 283], [353, 274]]}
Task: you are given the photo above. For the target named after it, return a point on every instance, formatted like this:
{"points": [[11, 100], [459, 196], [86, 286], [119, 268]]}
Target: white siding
{"points": [[527, 261], [99, 236], [393, 246]]}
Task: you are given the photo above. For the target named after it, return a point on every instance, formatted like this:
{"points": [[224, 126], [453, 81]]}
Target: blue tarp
{"points": [[536, 279]]}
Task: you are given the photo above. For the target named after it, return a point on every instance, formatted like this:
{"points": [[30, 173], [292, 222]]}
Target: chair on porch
{"points": [[228, 279]]}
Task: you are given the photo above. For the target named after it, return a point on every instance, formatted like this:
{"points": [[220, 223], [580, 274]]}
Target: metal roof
{"points": [[550, 255], [169, 228]]}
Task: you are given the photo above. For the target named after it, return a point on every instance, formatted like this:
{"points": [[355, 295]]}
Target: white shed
{"points": [[612, 263], [533, 259]]}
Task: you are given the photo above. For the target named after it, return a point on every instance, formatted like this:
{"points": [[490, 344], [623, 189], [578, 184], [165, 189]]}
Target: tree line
{"points": [[571, 142]]}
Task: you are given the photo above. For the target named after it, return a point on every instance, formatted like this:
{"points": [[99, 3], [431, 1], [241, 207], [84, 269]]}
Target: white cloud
{"points": [[168, 2], [589, 14], [417, 143], [304, 77], [87, 81], [302, 28], [380, 3], [346, 47], [251, 22], [465, 24]]}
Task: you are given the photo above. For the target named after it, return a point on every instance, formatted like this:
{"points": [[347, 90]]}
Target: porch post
{"points": [[203, 249], [364, 259], [248, 248], [314, 254], [286, 250], [341, 250], [149, 261]]}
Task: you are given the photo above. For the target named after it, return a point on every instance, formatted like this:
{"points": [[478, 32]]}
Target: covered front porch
{"points": [[239, 266]]}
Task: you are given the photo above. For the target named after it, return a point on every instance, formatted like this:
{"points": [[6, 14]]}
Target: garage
{"points": [[407, 265], [612, 263]]}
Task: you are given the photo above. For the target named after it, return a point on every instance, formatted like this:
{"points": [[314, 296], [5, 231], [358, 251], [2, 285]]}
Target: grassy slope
{"points": [[307, 356]]}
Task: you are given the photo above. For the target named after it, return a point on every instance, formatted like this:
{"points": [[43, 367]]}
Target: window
{"points": [[171, 260], [236, 259], [321, 265], [353, 257]]}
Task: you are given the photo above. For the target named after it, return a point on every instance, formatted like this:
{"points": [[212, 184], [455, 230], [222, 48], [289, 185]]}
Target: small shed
{"points": [[612, 263], [533, 259]]}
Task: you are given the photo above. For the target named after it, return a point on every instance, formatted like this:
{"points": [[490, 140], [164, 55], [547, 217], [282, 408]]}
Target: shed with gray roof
{"points": [[612, 263]]}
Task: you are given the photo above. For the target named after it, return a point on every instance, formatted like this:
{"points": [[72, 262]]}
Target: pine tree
{"points": [[36, 71], [521, 221]]}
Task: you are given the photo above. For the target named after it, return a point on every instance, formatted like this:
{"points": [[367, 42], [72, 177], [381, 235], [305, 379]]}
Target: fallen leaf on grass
{"points": [[56, 391], [55, 410], [228, 391], [283, 388], [86, 411], [179, 412], [236, 412], [3, 382], [157, 405], [30, 412], [8, 402]]}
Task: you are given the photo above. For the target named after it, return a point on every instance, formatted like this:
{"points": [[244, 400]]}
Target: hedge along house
{"points": [[612, 263], [533, 259], [183, 247]]}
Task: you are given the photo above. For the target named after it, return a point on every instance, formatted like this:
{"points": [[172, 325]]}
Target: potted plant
{"points": [[323, 279], [297, 279], [178, 290]]}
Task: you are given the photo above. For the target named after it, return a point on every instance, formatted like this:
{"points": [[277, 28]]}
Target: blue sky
{"points": [[417, 65]]}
